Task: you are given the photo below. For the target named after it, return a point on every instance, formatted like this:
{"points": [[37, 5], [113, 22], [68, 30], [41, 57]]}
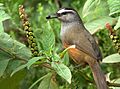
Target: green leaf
{"points": [[55, 57], [18, 69], [98, 24], [45, 83], [66, 59], [116, 81], [33, 60], [117, 26], [3, 16], [37, 81], [62, 70], [114, 58], [14, 48], [46, 37], [1, 27], [3, 65], [90, 6], [114, 6], [13, 64], [28, 64], [4, 55], [53, 84], [12, 82]]}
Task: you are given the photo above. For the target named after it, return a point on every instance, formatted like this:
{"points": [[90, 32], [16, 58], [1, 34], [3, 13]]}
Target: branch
{"points": [[87, 78], [58, 3], [13, 56], [113, 84]]}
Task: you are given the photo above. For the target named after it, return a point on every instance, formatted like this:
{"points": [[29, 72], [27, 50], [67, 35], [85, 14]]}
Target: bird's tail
{"points": [[98, 75]]}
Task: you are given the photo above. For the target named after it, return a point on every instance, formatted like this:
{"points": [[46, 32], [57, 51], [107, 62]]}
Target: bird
{"points": [[86, 50]]}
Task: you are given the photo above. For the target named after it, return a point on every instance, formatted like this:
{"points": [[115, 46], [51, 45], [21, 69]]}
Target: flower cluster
{"points": [[29, 32], [114, 37]]}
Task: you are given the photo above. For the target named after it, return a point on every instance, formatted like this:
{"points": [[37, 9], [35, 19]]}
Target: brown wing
{"points": [[84, 42]]}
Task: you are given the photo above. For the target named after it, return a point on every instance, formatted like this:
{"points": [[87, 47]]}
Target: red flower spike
{"points": [[109, 27]]}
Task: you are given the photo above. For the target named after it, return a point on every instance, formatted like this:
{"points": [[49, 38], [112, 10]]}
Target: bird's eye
{"points": [[58, 14], [64, 13]]}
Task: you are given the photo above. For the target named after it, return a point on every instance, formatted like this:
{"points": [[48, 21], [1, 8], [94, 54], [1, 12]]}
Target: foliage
{"points": [[52, 68]]}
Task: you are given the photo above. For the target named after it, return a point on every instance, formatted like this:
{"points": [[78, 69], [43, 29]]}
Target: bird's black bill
{"points": [[51, 16]]}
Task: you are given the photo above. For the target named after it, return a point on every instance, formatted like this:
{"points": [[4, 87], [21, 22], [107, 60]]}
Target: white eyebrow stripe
{"points": [[63, 10]]}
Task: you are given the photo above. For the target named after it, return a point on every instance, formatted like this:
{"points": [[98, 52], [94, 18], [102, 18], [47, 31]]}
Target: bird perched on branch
{"points": [[86, 50]]}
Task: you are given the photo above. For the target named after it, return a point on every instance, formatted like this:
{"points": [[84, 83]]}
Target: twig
{"points": [[113, 84], [58, 3], [13, 55]]}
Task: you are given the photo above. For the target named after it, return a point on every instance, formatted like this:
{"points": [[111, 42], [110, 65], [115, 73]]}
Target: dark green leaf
{"points": [[45, 83], [37, 81], [18, 69], [62, 70], [114, 58], [53, 84], [3, 65], [4, 55], [14, 48], [13, 64]]}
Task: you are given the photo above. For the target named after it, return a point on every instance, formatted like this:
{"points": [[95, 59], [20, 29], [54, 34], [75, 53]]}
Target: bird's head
{"points": [[65, 15]]}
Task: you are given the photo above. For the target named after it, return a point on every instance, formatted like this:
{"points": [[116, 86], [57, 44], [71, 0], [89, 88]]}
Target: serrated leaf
{"points": [[3, 66], [14, 48], [62, 70], [18, 69], [33, 60], [114, 6], [45, 83], [89, 6], [114, 58], [98, 24], [46, 37], [117, 26]]}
